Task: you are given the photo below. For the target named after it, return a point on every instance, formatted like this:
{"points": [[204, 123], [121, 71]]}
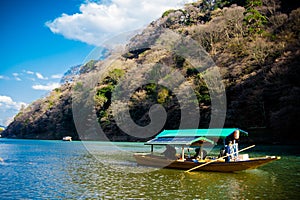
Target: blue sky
{"points": [[42, 39]]}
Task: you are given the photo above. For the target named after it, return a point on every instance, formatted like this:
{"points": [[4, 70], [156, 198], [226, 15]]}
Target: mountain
{"points": [[71, 74], [174, 63]]}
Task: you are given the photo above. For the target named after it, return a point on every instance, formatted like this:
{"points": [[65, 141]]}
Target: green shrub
{"points": [[104, 91], [50, 104], [179, 60], [115, 75], [103, 95], [100, 100], [162, 95], [191, 72], [88, 67], [102, 113], [254, 20], [166, 13], [78, 86], [151, 88]]}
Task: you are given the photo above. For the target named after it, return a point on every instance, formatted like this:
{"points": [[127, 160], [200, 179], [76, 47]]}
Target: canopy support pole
{"points": [[182, 153], [201, 152]]}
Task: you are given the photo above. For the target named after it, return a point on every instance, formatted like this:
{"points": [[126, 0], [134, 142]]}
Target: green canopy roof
{"points": [[190, 136], [213, 132], [178, 140]]}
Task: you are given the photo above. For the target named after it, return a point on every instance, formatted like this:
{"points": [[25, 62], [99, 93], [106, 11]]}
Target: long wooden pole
{"points": [[218, 159]]}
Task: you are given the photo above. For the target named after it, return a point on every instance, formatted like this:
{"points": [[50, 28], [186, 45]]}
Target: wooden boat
{"points": [[218, 166], [195, 138], [67, 138]]}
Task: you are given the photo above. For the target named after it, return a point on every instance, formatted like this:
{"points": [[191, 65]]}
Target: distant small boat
{"points": [[67, 138], [194, 138]]}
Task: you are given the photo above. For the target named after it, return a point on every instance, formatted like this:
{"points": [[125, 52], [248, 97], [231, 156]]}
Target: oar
{"points": [[218, 159]]}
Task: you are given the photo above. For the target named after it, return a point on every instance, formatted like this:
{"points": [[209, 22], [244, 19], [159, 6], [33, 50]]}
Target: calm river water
{"points": [[34, 169]]}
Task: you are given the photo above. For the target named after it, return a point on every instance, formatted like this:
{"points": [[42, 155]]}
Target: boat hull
{"points": [[67, 138], [216, 166]]}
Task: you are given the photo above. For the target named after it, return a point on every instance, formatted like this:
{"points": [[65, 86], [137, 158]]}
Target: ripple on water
{"points": [[54, 170]]}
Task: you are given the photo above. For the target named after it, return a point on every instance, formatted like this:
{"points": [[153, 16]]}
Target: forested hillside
{"points": [[254, 44]]}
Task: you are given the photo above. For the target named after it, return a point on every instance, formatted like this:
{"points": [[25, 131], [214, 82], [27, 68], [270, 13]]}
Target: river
{"points": [[36, 169]]}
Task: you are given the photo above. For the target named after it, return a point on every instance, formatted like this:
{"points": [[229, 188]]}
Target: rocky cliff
{"points": [[254, 44]]}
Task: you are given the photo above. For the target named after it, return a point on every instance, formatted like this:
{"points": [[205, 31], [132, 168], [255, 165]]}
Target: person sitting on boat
{"points": [[170, 152], [222, 152], [197, 150], [228, 151], [198, 156]]}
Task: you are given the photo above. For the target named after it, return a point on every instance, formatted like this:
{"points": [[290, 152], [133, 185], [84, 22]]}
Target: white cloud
{"points": [[29, 72], [8, 109], [7, 102], [57, 76], [40, 76], [47, 87], [97, 21], [9, 120], [4, 77], [16, 75]]}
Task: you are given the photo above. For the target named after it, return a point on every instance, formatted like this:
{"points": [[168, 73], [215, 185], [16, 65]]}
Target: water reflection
{"points": [[99, 180], [242, 185]]}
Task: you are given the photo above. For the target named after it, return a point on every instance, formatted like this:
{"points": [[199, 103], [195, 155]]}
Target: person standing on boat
{"points": [[228, 151]]}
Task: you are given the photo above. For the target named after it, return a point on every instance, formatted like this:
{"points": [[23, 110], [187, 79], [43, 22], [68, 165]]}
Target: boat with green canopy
{"points": [[200, 140]]}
